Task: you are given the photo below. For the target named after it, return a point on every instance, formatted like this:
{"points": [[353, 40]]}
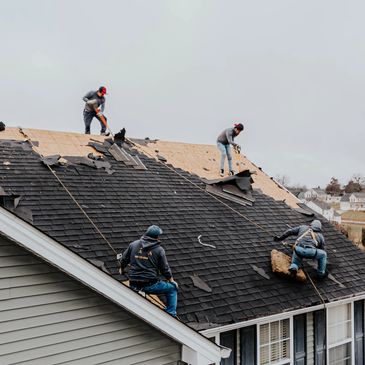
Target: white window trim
{"points": [[348, 340], [291, 342], [257, 322], [214, 331]]}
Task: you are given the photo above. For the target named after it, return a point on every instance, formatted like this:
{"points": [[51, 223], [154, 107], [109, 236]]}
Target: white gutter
{"points": [[200, 350], [283, 315]]}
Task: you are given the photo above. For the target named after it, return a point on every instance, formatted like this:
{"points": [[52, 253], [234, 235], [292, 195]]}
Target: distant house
{"points": [[357, 201], [301, 196], [333, 198], [218, 236], [353, 201], [337, 217], [314, 193], [324, 209], [345, 202]]}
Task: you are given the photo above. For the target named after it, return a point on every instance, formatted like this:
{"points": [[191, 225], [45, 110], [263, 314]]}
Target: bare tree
{"points": [[334, 187], [299, 187], [282, 180], [358, 178], [353, 187]]}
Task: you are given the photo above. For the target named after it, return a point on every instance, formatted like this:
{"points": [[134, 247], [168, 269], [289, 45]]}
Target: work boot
{"points": [[221, 173], [293, 272], [231, 173], [106, 134], [321, 276]]}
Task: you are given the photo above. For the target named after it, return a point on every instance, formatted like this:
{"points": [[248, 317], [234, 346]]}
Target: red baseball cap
{"points": [[102, 89]]}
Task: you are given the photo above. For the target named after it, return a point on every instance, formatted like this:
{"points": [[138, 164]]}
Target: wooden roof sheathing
{"points": [[199, 159]]}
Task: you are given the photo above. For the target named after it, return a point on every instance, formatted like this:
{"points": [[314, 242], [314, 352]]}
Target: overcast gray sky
{"points": [[182, 70]]}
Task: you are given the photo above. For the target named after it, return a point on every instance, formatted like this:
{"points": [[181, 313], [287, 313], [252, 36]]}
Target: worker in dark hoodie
{"points": [[309, 245], [147, 262], [224, 142]]}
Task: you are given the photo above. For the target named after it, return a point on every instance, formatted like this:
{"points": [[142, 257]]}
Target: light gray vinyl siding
{"points": [[47, 317]]}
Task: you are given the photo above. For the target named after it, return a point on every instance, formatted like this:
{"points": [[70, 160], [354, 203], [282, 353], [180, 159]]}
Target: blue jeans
{"points": [[163, 287], [88, 117], [301, 252], [225, 151]]}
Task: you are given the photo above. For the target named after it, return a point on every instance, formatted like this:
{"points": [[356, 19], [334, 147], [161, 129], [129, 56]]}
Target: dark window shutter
{"points": [[320, 337], [248, 345], [300, 341], [359, 332], [229, 339]]}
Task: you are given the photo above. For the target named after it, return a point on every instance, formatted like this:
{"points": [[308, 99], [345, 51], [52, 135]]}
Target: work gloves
{"points": [[277, 238], [119, 257], [237, 148]]}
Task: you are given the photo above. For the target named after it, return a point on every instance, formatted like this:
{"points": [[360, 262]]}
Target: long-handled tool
{"points": [[99, 115], [237, 149]]}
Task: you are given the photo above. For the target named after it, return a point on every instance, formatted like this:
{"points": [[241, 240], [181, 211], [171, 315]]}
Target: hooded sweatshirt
{"points": [[306, 239], [147, 260]]}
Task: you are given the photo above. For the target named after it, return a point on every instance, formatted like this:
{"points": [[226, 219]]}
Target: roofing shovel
{"points": [[101, 116]]}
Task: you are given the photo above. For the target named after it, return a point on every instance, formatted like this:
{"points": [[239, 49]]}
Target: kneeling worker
{"points": [[309, 245], [147, 261]]}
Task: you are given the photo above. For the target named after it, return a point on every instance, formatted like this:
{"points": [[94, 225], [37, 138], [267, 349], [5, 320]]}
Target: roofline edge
{"points": [[53, 252], [281, 315]]}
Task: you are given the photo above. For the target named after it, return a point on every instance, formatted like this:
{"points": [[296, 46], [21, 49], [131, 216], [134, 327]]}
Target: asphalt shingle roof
{"points": [[123, 204]]}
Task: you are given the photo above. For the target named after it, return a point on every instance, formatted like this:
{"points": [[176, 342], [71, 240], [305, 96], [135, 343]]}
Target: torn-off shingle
{"points": [[200, 283], [260, 271]]}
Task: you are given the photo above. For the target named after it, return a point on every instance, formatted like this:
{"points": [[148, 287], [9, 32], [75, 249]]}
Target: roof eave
{"points": [[50, 250]]}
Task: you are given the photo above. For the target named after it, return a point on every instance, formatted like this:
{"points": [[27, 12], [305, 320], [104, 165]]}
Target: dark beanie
{"points": [[153, 231]]}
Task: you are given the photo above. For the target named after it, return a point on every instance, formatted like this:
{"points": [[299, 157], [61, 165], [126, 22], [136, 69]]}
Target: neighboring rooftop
{"points": [[345, 198], [323, 205], [359, 195], [219, 249]]}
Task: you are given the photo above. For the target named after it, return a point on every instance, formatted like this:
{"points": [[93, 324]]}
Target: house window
{"points": [[229, 339], [339, 335], [274, 340]]}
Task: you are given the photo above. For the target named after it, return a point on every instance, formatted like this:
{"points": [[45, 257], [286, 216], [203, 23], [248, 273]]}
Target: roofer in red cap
{"points": [[94, 107], [224, 142]]}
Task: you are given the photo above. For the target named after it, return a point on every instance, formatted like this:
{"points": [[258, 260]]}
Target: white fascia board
{"points": [[48, 249], [283, 315]]}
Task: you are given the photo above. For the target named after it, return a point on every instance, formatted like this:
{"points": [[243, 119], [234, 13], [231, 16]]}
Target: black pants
{"points": [[88, 117]]}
